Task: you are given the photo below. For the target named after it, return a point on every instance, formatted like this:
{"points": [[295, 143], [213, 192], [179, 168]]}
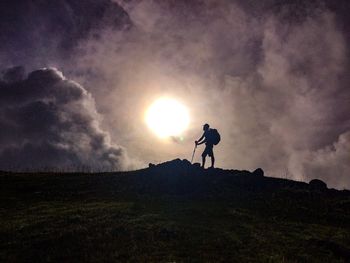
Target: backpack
{"points": [[214, 136]]}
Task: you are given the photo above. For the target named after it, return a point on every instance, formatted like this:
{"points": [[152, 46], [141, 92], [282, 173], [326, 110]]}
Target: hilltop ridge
{"points": [[173, 171]]}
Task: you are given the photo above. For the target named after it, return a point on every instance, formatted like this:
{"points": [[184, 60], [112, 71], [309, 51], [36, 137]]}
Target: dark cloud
{"points": [[49, 121], [42, 32]]}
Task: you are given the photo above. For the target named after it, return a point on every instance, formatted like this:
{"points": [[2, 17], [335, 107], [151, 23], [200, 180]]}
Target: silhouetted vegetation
{"points": [[173, 212]]}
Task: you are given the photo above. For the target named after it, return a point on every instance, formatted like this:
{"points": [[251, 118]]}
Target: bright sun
{"points": [[167, 117]]}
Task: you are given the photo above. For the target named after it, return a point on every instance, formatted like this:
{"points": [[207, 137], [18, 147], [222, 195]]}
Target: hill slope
{"points": [[173, 212]]}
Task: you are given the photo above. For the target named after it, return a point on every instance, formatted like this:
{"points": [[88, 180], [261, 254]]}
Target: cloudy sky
{"points": [[272, 76]]}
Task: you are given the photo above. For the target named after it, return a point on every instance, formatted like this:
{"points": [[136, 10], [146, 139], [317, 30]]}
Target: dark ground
{"points": [[170, 213]]}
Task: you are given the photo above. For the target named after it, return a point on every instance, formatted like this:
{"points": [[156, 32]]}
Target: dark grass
{"points": [[148, 216]]}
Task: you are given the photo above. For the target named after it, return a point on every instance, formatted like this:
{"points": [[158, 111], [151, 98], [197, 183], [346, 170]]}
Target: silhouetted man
{"points": [[208, 145]]}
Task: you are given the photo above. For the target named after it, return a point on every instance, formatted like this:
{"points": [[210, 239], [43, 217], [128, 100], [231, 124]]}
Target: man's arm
{"points": [[198, 142]]}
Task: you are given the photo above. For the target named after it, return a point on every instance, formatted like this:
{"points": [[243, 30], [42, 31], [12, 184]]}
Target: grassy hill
{"points": [[173, 212]]}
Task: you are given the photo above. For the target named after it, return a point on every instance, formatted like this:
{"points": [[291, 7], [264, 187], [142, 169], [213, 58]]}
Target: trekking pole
{"points": [[195, 147]]}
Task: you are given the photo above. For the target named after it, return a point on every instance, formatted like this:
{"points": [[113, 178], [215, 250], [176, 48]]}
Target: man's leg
{"points": [[211, 153], [204, 154], [212, 160]]}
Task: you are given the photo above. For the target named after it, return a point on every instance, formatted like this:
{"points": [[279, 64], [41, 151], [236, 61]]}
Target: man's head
{"points": [[205, 127]]}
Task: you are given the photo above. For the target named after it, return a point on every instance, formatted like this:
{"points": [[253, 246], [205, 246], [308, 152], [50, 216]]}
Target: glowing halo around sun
{"points": [[167, 117]]}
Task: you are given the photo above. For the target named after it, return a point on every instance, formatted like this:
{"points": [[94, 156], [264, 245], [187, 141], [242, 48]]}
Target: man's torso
{"points": [[207, 138]]}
